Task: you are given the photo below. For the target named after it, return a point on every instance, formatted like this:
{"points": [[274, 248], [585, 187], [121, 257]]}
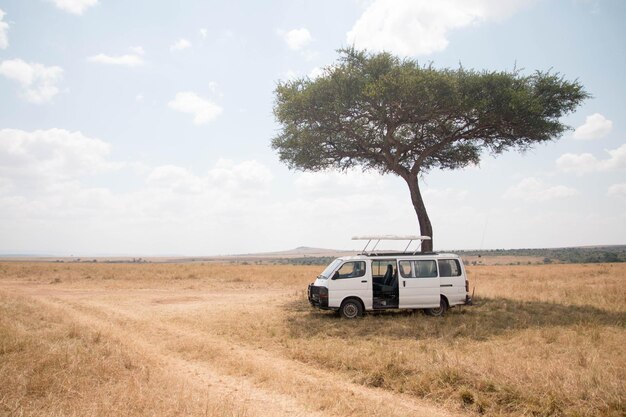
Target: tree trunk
{"points": [[426, 229]]}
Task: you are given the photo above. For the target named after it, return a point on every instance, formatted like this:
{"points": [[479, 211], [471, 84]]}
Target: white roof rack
{"points": [[410, 238], [391, 237]]}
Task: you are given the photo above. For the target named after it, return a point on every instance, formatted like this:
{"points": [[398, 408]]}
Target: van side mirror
{"points": [[335, 275]]}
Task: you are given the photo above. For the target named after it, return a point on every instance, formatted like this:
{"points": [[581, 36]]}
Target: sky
{"points": [[144, 127]]}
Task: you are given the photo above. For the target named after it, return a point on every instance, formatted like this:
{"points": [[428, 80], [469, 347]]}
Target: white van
{"points": [[392, 280]]}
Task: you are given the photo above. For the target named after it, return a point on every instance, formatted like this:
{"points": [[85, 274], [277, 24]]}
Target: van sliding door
{"points": [[419, 283]]}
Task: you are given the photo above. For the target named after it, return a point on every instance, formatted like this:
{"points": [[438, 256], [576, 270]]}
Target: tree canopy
{"points": [[380, 112]]}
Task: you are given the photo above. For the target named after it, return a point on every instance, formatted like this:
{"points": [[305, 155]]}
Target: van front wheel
{"points": [[438, 311], [351, 309]]}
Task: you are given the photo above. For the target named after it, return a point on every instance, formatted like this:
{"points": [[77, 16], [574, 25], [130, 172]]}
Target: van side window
{"points": [[418, 269], [425, 269], [406, 269], [449, 268], [380, 267], [351, 270]]}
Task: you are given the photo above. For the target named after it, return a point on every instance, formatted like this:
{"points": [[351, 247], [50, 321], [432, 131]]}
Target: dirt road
{"points": [[187, 332]]}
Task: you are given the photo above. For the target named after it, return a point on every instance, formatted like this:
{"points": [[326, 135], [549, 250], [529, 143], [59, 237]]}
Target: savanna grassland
{"points": [[241, 340]]}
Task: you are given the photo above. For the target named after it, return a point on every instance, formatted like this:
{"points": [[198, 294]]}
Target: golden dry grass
{"points": [[76, 339], [51, 365]]}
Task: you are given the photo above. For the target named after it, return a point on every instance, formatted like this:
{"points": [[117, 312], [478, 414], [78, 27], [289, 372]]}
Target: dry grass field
{"points": [[241, 340]]}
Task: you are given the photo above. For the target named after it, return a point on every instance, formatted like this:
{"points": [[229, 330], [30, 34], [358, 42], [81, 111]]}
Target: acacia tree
{"points": [[380, 112]]}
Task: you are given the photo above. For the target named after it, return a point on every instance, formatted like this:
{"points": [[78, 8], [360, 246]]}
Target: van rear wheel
{"points": [[438, 311], [351, 309]]}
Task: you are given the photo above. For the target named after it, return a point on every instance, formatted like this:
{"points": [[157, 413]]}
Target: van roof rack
{"points": [[378, 239]]}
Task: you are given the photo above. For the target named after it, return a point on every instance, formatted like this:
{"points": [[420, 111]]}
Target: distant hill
{"points": [[302, 251]]}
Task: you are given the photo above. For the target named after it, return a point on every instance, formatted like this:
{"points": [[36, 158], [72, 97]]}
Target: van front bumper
{"points": [[318, 296]]}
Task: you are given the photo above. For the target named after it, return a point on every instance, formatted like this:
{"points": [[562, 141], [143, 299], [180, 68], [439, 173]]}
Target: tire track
{"points": [[267, 384]]}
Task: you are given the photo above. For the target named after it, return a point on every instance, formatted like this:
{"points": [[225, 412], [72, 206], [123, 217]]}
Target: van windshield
{"points": [[329, 269]]}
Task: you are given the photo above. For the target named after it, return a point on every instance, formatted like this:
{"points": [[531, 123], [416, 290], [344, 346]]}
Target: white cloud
{"points": [[227, 191], [616, 160], [618, 190], [74, 6], [227, 178], [532, 190], [4, 29], [203, 110], [246, 176], [46, 204], [446, 195], [39, 83], [353, 181], [176, 178], [296, 39], [578, 163], [44, 157], [204, 213], [316, 72], [127, 60], [595, 127], [137, 50], [204, 33], [213, 88], [586, 162], [290, 75], [180, 45], [421, 27]]}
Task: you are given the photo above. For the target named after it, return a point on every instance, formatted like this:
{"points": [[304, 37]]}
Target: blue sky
{"points": [[144, 128]]}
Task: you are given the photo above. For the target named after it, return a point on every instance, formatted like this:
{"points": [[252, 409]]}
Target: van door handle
{"points": [[364, 281], [404, 283]]}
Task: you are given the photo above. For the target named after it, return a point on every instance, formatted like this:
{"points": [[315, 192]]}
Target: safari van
{"points": [[372, 281]]}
